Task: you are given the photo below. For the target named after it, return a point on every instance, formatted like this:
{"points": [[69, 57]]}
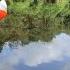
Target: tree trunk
{"points": [[35, 1], [49, 1]]}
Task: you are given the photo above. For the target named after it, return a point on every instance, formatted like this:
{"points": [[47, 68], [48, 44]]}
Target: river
{"points": [[37, 55]]}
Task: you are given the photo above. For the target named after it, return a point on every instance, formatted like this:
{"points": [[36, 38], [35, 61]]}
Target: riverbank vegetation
{"points": [[32, 20]]}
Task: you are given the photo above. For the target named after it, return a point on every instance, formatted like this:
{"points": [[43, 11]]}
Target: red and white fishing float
{"points": [[3, 9]]}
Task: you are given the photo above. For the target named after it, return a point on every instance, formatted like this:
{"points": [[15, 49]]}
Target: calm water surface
{"points": [[53, 55]]}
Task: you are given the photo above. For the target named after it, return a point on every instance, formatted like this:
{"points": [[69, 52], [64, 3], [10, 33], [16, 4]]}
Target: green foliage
{"points": [[35, 22]]}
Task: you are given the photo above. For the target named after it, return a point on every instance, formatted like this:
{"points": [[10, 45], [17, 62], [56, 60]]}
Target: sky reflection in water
{"points": [[37, 55]]}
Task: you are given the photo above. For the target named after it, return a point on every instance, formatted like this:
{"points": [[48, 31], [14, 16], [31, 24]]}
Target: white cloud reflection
{"points": [[35, 53]]}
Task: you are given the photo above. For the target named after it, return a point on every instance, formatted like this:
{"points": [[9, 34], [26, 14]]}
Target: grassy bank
{"points": [[28, 22]]}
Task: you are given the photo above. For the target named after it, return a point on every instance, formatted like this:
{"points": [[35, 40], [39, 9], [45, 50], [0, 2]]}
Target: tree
{"points": [[49, 1], [9, 1], [35, 1]]}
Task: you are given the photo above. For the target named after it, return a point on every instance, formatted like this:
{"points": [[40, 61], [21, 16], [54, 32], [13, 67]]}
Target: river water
{"points": [[37, 55]]}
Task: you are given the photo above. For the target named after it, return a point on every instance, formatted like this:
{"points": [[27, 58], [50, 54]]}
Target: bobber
{"points": [[3, 9]]}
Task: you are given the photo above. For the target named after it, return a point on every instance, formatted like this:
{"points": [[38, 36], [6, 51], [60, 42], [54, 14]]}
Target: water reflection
{"points": [[37, 55]]}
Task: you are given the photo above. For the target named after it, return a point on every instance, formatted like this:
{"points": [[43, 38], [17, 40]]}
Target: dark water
{"points": [[39, 55]]}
